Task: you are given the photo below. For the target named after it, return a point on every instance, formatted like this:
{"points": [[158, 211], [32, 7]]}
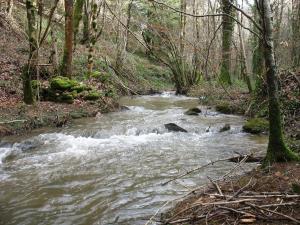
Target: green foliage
{"points": [[256, 126], [63, 83]]}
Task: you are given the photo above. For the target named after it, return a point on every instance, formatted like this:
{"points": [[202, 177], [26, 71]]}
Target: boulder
{"points": [[174, 127], [256, 126], [93, 95], [62, 83], [226, 127], [124, 108], [193, 112]]}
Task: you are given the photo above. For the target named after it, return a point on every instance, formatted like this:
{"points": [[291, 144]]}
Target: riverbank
{"points": [[262, 196]]}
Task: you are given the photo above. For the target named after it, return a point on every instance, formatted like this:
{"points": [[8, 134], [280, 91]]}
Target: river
{"points": [[109, 169]]}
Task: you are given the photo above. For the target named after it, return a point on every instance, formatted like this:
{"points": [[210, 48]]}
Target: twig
{"points": [[274, 212], [196, 169], [216, 186]]}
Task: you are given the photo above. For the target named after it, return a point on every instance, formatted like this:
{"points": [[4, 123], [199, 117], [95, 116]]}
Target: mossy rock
{"points": [[66, 98], [62, 83], [256, 126], [80, 88], [193, 112], [92, 95], [226, 127]]}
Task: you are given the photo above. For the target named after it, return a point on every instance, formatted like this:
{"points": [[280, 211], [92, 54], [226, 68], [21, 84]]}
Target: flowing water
{"points": [[109, 169]]}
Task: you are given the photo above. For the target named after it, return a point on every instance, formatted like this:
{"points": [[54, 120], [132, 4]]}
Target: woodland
{"points": [[63, 60]]}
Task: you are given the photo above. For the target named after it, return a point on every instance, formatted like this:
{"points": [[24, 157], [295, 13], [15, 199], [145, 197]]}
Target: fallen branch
{"points": [[274, 212], [199, 168]]}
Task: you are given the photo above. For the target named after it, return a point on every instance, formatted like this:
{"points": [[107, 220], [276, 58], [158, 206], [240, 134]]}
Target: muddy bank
{"points": [[21, 118]]}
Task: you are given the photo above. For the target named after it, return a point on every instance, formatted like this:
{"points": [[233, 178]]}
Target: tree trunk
{"points": [[128, 24], [66, 67], [182, 25], [78, 10], [30, 67], [296, 33], [277, 150], [53, 54], [86, 24], [9, 8], [227, 37], [245, 70], [93, 38]]}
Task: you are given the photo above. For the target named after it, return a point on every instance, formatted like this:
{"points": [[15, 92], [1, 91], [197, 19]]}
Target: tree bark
{"points": [[296, 33], [66, 67], [93, 38], [245, 70], [128, 24], [78, 10], [227, 37], [277, 150], [30, 67]]}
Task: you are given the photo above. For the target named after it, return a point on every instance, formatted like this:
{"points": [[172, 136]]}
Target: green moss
{"points": [[256, 126], [93, 95], [66, 98], [35, 84], [62, 83], [80, 88]]}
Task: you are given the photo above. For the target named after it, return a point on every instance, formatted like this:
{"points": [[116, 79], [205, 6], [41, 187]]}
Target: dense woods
{"points": [[241, 56]]}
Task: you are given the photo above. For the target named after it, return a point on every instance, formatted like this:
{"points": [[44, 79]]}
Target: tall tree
{"points": [[78, 10], [296, 32], [66, 66], [30, 67], [227, 37], [277, 149]]}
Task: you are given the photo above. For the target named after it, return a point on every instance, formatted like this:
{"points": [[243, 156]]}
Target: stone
{"points": [[193, 112], [226, 127], [256, 126], [174, 127]]}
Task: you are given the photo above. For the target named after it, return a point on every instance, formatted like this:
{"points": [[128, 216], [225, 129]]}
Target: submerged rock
{"points": [[226, 127], [193, 112], [124, 108], [174, 127], [256, 126]]}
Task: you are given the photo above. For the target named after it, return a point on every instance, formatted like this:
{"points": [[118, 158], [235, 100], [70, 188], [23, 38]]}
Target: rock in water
{"points": [[174, 127], [193, 112], [225, 128]]}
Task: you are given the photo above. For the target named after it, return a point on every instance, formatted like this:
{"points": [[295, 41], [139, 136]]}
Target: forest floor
{"points": [[262, 196], [17, 118]]}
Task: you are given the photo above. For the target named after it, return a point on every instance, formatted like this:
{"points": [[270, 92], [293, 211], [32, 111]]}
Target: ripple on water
{"points": [[109, 170]]}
